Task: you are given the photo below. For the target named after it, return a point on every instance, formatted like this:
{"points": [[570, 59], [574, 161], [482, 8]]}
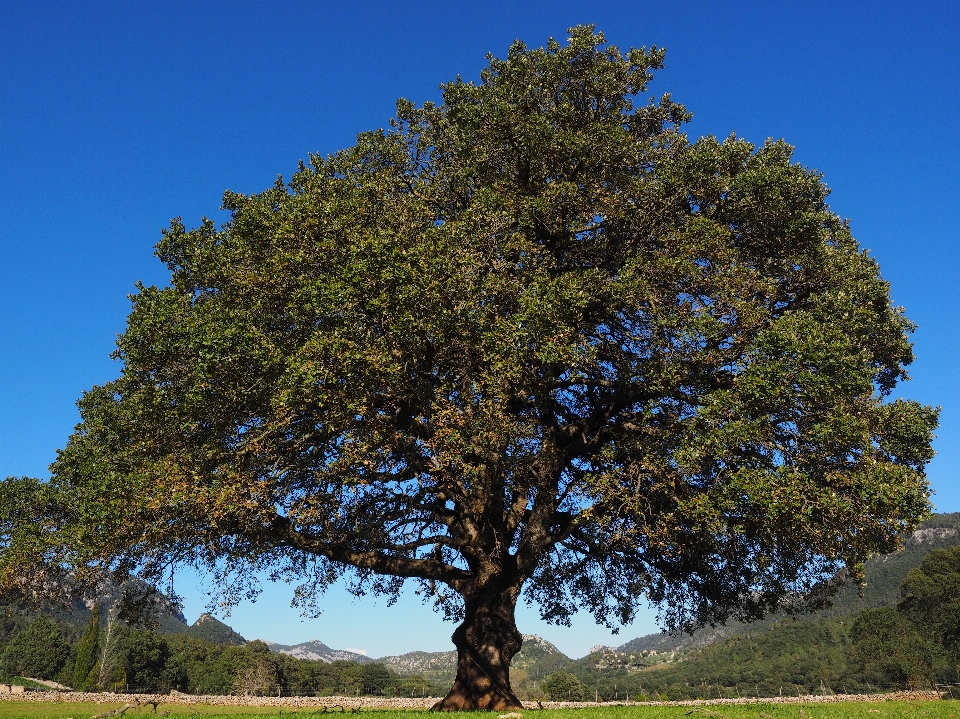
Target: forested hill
{"points": [[212, 630], [883, 577], [885, 573]]}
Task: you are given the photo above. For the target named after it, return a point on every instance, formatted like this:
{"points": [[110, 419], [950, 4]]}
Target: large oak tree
{"points": [[529, 340]]}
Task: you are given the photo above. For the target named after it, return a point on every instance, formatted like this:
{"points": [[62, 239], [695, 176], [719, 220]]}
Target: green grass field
{"points": [[867, 710]]}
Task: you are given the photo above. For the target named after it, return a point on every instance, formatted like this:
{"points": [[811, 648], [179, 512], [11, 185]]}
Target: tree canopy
{"points": [[531, 339], [886, 645], [930, 597], [39, 651]]}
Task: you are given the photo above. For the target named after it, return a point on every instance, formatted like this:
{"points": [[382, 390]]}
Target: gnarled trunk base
{"points": [[486, 643], [473, 689]]}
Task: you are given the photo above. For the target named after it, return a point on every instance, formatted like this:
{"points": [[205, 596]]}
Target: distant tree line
{"points": [[113, 656]]}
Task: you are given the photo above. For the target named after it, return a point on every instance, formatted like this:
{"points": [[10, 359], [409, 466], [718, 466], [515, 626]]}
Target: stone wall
{"points": [[803, 699], [348, 703]]}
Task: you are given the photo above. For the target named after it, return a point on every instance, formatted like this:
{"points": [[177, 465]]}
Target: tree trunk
{"points": [[486, 642]]}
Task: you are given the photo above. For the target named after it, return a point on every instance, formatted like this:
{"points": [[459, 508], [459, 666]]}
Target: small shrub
{"points": [[563, 686]]}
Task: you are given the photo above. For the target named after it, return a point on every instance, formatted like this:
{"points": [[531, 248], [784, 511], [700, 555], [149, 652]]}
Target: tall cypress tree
{"points": [[87, 650]]}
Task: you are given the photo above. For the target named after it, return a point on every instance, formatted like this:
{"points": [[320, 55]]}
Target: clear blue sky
{"points": [[115, 117]]}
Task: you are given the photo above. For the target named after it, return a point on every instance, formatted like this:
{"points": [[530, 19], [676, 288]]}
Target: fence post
{"points": [[934, 685]]}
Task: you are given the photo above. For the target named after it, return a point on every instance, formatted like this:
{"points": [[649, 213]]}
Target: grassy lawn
{"points": [[867, 710]]}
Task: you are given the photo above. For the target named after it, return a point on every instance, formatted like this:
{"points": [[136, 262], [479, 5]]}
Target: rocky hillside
{"points": [[421, 662], [316, 650]]}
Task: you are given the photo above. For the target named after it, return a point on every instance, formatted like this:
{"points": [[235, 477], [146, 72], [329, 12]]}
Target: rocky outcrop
{"points": [[933, 534]]}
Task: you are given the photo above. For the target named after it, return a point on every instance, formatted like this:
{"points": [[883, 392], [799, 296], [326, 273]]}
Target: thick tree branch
{"points": [[283, 533]]}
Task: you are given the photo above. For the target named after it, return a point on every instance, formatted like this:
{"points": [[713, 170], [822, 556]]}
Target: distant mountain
{"points": [[668, 646], [318, 651], [883, 575], [154, 610], [211, 629], [421, 662], [159, 612], [666, 642], [143, 603], [536, 659]]}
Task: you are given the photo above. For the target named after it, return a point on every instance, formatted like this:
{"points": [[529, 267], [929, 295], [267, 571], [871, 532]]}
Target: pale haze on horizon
{"points": [[115, 118]]}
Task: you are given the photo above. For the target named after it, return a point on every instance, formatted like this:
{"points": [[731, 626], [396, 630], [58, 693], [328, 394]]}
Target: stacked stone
{"points": [[347, 704]]}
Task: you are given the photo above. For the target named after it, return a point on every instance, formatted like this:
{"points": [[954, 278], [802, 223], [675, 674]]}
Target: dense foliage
{"points": [[895, 633], [563, 686], [930, 597], [530, 340], [39, 651], [882, 647], [888, 647]]}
